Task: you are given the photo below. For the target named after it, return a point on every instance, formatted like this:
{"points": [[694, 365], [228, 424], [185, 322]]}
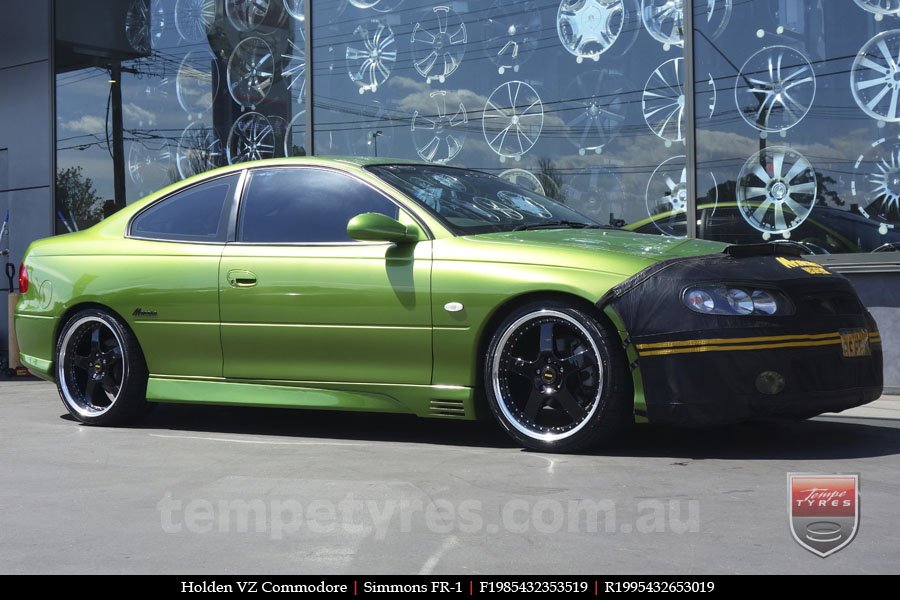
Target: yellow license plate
{"points": [[855, 342]]}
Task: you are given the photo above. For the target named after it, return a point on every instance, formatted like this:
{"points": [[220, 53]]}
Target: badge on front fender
{"points": [[823, 511]]}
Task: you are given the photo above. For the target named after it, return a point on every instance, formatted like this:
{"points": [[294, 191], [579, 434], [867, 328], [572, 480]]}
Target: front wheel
{"points": [[556, 379], [100, 370]]}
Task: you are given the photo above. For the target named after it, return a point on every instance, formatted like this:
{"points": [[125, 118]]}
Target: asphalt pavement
{"points": [[205, 489]]}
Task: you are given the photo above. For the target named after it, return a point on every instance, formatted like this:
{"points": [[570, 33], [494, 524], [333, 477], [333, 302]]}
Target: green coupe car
{"points": [[401, 287]]}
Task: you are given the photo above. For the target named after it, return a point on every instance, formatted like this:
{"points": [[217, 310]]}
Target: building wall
{"points": [[26, 135]]}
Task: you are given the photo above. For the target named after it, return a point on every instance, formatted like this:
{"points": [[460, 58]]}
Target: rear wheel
{"points": [[556, 379], [100, 371]]}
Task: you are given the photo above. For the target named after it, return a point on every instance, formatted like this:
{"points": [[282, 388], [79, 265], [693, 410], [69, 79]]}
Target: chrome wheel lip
{"points": [[80, 407], [498, 393]]}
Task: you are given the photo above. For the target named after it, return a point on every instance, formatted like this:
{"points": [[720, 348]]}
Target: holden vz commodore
{"points": [[400, 287]]}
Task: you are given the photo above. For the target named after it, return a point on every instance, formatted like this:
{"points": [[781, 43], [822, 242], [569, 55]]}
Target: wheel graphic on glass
{"points": [[197, 82], [513, 119], [880, 8], [370, 60], [438, 43], [153, 90], [377, 5], [598, 113], [588, 28], [664, 19], [440, 136], [249, 15], [295, 136], [775, 89], [522, 204], [666, 196], [523, 179], [144, 25], [199, 150], [875, 77], [663, 101], [511, 30], [296, 8], [876, 183], [148, 163], [595, 191], [252, 137], [293, 71], [194, 19], [251, 71], [776, 190]]}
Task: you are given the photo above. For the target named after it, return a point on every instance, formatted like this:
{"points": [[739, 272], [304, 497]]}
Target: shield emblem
{"points": [[823, 511]]}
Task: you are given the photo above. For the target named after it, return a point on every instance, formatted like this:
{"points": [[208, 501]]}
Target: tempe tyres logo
{"points": [[823, 511]]}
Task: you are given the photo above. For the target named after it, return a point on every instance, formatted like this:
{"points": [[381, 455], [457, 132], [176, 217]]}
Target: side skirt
{"points": [[437, 401]]}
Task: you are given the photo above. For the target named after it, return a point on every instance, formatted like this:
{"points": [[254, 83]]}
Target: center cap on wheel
{"points": [[548, 375], [779, 190]]}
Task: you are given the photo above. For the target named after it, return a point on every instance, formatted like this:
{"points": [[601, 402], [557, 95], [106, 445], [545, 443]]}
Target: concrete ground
{"points": [[200, 489]]}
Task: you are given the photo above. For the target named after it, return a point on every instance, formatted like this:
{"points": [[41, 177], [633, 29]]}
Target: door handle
{"points": [[240, 278]]}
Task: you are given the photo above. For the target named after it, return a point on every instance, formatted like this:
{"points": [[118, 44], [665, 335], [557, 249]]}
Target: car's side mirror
{"points": [[375, 227]]}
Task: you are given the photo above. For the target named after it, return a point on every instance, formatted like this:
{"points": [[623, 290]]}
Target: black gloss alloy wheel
{"points": [[551, 378], [100, 371]]}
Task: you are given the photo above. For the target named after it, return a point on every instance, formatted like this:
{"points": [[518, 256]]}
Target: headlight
{"points": [[733, 300]]}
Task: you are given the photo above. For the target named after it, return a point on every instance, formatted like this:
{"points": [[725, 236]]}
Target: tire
{"points": [[555, 403], [100, 370]]}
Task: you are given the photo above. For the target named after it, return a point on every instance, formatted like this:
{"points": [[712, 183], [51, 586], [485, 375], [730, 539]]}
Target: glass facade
{"points": [[794, 136]]}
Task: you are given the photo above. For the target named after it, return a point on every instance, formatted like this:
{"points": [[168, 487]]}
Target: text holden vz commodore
{"points": [[410, 288]]}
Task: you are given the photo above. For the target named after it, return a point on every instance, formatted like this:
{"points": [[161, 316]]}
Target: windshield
{"points": [[471, 202]]}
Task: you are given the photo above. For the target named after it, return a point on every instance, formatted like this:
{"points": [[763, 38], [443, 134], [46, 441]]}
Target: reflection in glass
{"points": [[296, 8], [511, 30], [295, 136], [524, 179], [876, 183], [875, 77], [293, 70], [370, 60], [148, 163], [600, 114], [252, 137], [249, 15], [588, 28], [438, 43], [775, 89], [194, 19], [776, 190], [439, 136], [199, 150], [663, 101], [513, 119], [144, 24], [251, 70], [664, 19], [197, 82]]}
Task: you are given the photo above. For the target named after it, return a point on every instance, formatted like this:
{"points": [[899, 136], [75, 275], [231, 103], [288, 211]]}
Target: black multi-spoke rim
{"points": [[547, 375], [92, 366]]}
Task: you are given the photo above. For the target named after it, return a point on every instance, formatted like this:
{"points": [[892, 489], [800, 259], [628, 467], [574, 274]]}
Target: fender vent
{"points": [[447, 408]]}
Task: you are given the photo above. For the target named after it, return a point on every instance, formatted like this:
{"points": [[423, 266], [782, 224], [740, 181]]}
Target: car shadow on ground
{"points": [[822, 438]]}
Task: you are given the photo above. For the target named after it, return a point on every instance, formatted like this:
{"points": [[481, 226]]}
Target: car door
{"points": [[301, 301], [168, 277]]}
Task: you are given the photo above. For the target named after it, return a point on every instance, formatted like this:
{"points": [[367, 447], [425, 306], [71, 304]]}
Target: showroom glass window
{"points": [[149, 92], [802, 143], [581, 101], [305, 205]]}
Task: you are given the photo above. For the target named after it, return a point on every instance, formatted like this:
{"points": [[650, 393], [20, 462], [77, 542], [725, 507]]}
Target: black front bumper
{"points": [[702, 369], [707, 388]]}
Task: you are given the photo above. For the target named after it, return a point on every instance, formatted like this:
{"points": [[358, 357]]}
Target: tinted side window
{"points": [[305, 205], [198, 214]]}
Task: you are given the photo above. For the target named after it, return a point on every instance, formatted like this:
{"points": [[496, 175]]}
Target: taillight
{"points": [[23, 279]]}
